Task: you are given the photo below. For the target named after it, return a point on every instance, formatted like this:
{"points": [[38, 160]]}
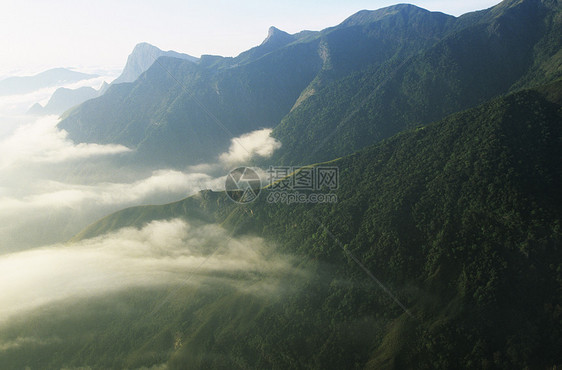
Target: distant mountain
{"points": [[142, 57], [196, 108], [332, 92], [460, 220], [36, 109], [64, 99], [197, 112], [103, 88], [50, 78]]}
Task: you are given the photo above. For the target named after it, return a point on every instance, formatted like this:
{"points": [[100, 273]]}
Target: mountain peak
{"points": [[144, 45], [364, 17], [277, 37], [273, 30], [142, 57]]}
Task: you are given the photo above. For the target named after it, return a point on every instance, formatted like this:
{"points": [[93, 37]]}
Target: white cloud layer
{"points": [[49, 211], [53, 195], [51, 188], [163, 252], [42, 142], [243, 148]]}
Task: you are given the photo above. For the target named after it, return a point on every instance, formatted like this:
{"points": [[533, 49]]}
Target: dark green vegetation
{"points": [[461, 220], [144, 327], [479, 56]]}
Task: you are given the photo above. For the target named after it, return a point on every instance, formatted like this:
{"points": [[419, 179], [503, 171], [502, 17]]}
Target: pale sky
{"points": [[86, 34]]}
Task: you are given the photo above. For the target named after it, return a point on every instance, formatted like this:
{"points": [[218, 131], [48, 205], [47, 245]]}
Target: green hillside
{"points": [[443, 250], [460, 220], [486, 54]]}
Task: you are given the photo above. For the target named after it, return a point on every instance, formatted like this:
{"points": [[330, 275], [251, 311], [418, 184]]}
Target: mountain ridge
{"points": [[468, 66], [64, 99], [49, 78], [382, 71], [306, 61]]}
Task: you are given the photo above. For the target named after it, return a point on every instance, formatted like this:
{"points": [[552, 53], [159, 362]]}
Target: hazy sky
{"points": [[38, 34]]}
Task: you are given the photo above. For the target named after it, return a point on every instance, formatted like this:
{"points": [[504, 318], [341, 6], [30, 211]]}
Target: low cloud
{"points": [[51, 188], [53, 194], [161, 253], [47, 211], [243, 148], [42, 142], [25, 341]]}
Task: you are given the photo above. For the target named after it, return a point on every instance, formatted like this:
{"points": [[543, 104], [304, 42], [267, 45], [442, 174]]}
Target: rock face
{"points": [[142, 57], [277, 37]]}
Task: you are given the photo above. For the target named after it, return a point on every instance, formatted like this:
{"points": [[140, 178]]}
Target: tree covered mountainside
{"points": [[443, 250], [346, 87], [460, 220], [513, 45]]}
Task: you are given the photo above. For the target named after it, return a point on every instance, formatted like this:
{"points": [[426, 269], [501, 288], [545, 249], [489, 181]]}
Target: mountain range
{"points": [[443, 250], [370, 77], [141, 58], [52, 77]]}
